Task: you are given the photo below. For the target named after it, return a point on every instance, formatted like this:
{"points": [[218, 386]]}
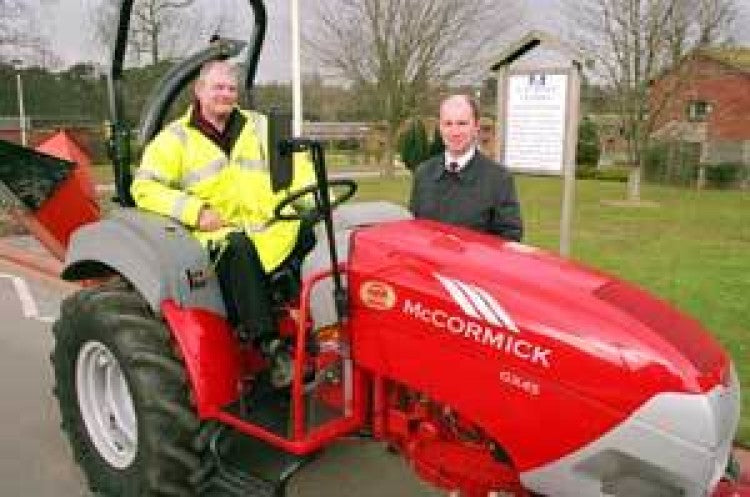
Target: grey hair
{"points": [[208, 66]]}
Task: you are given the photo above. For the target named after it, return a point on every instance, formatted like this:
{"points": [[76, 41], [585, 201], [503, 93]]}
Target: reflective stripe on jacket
{"points": [[182, 170]]}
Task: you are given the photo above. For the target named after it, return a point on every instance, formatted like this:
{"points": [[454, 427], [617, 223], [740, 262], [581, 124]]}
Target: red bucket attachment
{"points": [[51, 189], [74, 202]]}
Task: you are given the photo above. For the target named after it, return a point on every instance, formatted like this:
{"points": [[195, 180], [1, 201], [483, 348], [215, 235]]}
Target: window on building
{"points": [[698, 110]]}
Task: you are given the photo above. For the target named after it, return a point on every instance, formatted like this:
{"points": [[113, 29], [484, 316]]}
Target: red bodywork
{"points": [[604, 362], [218, 369], [460, 367], [73, 203]]}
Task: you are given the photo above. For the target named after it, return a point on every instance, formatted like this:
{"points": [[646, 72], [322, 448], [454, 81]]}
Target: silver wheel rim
{"points": [[106, 405]]}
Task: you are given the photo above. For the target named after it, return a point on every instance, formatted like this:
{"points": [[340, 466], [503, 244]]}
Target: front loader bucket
{"points": [[49, 193]]}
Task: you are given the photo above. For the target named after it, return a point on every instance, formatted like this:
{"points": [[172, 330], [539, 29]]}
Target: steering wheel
{"points": [[313, 215]]}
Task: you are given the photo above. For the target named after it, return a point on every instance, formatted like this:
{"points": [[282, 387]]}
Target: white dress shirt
{"points": [[460, 161]]}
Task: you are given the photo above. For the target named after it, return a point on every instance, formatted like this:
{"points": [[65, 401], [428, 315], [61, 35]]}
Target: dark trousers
{"points": [[245, 285]]}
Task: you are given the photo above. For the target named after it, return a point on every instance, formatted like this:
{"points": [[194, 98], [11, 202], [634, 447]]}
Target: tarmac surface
{"points": [[36, 460]]}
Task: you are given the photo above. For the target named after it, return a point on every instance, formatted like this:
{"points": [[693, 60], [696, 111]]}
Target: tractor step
{"points": [[266, 407], [248, 467], [270, 409]]}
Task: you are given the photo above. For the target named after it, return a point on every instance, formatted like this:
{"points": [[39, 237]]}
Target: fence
{"points": [[722, 164]]}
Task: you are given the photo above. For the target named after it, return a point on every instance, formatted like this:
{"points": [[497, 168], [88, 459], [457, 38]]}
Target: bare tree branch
{"points": [[633, 42], [17, 36], [155, 27], [11, 14], [396, 51]]}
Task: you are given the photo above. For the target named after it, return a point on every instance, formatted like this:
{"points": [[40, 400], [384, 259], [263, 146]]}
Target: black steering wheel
{"points": [[313, 214]]}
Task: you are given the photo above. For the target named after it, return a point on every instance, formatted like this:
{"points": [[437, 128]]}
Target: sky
{"points": [[67, 24]]}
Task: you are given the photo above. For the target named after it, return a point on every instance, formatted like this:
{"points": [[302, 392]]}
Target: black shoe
{"points": [[281, 366]]}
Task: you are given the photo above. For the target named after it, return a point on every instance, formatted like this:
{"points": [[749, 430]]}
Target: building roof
{"points": [[529, 42], [735, 57]]}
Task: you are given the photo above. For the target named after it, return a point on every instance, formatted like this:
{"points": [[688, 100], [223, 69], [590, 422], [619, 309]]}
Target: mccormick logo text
{"points": [[480, 306]]}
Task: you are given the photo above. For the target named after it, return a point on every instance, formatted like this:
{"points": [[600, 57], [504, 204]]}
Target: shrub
{"points": [[413, 145], [437, 146], [585, 171], [671, 163], [616, 174], [722, 175], [587, 149]]}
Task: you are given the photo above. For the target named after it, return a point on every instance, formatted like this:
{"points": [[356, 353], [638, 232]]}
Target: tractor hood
{"points": [[553, 319]]}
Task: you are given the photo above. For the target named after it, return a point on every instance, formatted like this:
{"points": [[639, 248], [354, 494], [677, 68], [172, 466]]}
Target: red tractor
{"points": [[491, 366]]}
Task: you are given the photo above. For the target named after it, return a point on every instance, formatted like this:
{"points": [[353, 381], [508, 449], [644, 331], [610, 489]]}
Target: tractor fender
{"points": [[156, 254]]}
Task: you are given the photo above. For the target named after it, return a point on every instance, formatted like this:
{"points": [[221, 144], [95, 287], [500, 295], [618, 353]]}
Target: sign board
{"points": [[535, 125]]}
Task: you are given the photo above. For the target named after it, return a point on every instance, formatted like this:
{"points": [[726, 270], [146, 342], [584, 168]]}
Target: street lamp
{"points": [[17, 65]]}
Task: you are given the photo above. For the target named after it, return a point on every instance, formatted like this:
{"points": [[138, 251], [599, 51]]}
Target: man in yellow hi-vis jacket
{"points": [[209, 170]]}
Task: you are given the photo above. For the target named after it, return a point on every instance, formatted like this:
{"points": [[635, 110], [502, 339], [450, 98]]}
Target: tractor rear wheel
{"points": [[124, 396]]}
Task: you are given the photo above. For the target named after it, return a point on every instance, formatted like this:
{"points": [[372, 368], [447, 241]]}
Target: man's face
{"points": [[458, 127], [217, 92]]}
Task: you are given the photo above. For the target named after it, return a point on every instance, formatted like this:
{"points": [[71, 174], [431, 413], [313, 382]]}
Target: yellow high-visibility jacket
{"points": [[182, 170]]}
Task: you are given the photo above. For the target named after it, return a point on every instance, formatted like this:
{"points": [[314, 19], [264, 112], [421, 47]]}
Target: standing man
{"points": [[463, 186], [209, 171]]}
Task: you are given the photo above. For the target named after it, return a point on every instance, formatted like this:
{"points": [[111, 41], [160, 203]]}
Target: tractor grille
{"points": [[683, 333]]}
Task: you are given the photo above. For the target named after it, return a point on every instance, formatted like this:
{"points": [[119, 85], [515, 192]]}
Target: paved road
{"points": [[36, 460]]}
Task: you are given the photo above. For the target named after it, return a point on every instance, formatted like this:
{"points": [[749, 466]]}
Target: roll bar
{"points": [[176, 79]]}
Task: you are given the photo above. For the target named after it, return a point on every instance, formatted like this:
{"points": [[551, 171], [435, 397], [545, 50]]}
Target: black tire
{"points": [[113, 321]]}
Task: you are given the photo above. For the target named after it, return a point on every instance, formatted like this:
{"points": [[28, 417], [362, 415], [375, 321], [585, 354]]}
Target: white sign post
{"points": [[535, 123], [538, 117]]}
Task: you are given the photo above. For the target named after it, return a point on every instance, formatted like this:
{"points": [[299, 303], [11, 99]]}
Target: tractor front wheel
{"points": [[123, 396]]}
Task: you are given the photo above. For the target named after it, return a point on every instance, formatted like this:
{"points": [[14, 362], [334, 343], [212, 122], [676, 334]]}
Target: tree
{"points": [[20, 38], [437, 145], [587, 149], [413, 144], [11, 22], [395, 52], [153, 24], [633, 42], [152, 20]]}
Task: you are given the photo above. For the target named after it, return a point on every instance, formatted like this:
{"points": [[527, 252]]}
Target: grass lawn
{"points": [[692, 249]]}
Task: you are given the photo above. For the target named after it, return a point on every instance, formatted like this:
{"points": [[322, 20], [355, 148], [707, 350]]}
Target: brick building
{"points": [[705, 101]]}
